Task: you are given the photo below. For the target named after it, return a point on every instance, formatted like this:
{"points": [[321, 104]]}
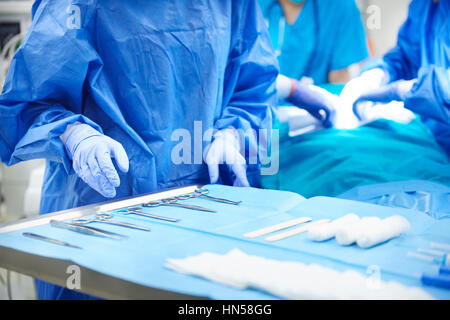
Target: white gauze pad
{"points": [[327, 231], [348, 234], [387, 229]]}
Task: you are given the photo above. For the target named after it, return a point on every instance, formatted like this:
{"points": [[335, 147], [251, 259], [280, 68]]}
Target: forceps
{"points": [[91, 231], [104, 217], [173, 202], [202, 192], [55, 241], [137, 211]]}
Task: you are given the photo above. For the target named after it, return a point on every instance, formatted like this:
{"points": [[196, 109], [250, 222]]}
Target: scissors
{"points": [[173, 202], [104, 217]]}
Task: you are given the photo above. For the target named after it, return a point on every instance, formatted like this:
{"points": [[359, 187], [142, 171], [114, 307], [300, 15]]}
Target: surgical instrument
{"points": [[443, 260], [204, 193], [138, 211], [54, 241], [91, 231], [173, 202], [327, 231], [277, 227], [296, 231], [440, 254], [444, 270], [441, 280], [106, 218], [442, 246]]}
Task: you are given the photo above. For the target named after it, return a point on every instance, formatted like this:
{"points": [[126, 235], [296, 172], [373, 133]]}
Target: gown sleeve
{"points": [[430, 95], [403, 61], [43, 91], [250, 90]]}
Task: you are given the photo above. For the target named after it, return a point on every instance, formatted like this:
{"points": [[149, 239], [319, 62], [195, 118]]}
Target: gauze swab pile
{"points": [[290, 279], [327, 231], [365, 232]]}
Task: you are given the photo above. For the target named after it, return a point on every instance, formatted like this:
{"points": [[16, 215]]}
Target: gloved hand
{"points": [[225, 150], [317, 101], [91, 153], [394, 91], [368, 80]]}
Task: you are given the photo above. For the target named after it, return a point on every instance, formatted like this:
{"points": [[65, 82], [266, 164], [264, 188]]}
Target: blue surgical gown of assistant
{"points": [[136, 71], [328, 35], [423, 52]]}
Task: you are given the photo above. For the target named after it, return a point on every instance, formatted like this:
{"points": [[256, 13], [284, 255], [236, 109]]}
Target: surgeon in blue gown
{"points": [[416, 71], [316, 42], [99, 88]]}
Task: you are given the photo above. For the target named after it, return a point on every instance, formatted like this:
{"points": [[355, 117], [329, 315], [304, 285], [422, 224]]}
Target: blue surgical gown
{"points": [[328, 35], [423, 52], [136, 71]]}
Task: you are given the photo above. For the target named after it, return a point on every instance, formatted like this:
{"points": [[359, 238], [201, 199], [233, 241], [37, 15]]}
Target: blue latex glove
{"points": [[91, 153], [394, 91], [314, 100], [225, 150]]}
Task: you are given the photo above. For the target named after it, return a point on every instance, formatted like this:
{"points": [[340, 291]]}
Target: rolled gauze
{"points": [[327, 231], [348, 234], [387, 229]]}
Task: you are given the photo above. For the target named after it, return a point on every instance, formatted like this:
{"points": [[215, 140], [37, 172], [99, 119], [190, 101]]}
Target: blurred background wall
{"points": [[392, 13]]}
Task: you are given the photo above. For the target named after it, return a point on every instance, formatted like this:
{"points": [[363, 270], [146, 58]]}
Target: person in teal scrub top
{"points": [[316, 41]]}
